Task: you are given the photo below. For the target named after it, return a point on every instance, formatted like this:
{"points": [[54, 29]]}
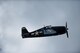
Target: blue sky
{"points": [[34, 15]]}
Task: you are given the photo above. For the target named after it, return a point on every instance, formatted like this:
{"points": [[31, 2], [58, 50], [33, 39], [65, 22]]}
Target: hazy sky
{"points": [[34, 15]]}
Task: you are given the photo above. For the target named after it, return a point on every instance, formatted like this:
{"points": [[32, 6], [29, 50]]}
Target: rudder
{"points": [[24, 31]]}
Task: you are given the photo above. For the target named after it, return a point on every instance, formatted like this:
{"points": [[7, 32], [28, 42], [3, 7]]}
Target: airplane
{"points": [[45, 31]]}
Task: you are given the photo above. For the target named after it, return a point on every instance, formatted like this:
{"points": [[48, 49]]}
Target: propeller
{"points": [[67, 31]]}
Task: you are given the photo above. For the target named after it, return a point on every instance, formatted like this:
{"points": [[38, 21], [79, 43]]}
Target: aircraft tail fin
{"points": [[24, 31]]}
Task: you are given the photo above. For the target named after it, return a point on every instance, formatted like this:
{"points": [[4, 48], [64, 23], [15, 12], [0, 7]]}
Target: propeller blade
{"points": [[67, 31], [67, 34], [66, 24]]}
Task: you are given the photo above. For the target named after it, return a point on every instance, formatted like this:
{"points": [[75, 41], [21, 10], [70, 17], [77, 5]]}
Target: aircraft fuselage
{"points": [[46, 31]]}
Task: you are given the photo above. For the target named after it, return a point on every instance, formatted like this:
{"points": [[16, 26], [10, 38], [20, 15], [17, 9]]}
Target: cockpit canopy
{"points": [[48, 30], [48, 27]]}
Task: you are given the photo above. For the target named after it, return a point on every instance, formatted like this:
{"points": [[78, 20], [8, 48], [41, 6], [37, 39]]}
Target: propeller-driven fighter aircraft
{"points": [[45, 31]]}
